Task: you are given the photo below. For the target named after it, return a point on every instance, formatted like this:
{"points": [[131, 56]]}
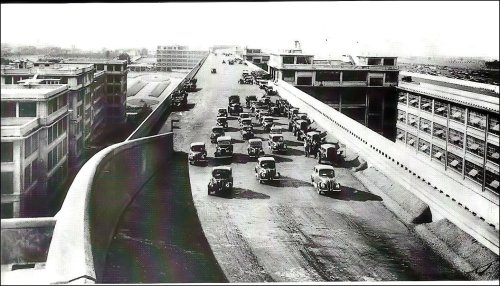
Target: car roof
{"points": [[313, 132], [328, 145], [221, 117], [222, 109], [197, 144], [254, 140], [221, 168], [274, 127], [324, 167], [266, 159], [217, 127], [221, 138], [275, 135]]}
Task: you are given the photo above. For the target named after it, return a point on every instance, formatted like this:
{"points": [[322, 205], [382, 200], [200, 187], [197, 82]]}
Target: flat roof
{"points": [[463, 97], [490, 87], [31, 91], [53, 69], [94, 61]]}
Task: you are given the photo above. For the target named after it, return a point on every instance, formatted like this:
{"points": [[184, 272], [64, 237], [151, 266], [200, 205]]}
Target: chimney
{"points": [[297, 45]]}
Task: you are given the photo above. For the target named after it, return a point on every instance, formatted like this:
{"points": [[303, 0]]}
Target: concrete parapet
{"points": [[102, 189]]}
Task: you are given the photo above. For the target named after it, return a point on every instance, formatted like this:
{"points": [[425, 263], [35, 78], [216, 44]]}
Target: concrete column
{"points": [[341, 77], [367, 105], [340, 102], [485, 150], [382, 117], [464, 145]]}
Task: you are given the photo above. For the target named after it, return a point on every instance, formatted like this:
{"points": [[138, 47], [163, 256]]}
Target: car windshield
{"points": [[268, 164], [221, 174], [256, 144], [277, 139], [250, 98], [197, 148], [224, 142], [327, 173], [222, 111], [244, 115]]}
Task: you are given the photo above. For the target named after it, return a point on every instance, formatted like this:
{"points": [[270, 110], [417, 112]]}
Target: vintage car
{"points": [[221, 181], [222, 121], [197, 153], [243, 115], [254, 148], [221, 112], [276, 143], [249, 100], [267, 122], [190, 86], [260, 114], [246, 132], [245, 80], [323, 179], [265, 170], [246, 121], [217, 131], [224, 148], [276, 130], [291, 112], [234, 109], [234, 99], [315, 136], [266, 100], [179, 100], [330, 153], [223, 61], [274, 111], [271, 91], [213, 71]]}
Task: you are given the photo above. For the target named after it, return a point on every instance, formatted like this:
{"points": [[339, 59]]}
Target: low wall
{"points": [[400, 164], [162, 110], [26, 240], [101, 191]]}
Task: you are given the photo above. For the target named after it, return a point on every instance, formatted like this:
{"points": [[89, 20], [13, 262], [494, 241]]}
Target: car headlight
{"points": [[228, 184], [322, 185], [263, 173]]}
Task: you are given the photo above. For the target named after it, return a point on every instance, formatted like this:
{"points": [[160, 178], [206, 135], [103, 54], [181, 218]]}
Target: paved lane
{"points": [[287, 232]]}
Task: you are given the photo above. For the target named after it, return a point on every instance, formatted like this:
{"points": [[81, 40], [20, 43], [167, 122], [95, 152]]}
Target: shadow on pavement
{"points": [[239, 193], [159, 238], [240, 158], [278, 159], [351, 194], [292, 182], [232, 129], [235, 141], [294, 143], [294, 152]]}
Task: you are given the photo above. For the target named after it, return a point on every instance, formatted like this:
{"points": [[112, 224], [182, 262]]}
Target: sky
{"points": [[427, 28]]}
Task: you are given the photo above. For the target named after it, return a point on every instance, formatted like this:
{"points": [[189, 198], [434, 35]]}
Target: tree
{"points": [[144, 52], [107, 54], [124, 56]]}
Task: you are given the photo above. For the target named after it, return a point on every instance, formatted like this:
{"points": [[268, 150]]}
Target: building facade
{"points": [[177, 57], [257, 57], [362, 88], [446, 122], [79, 78], [35, 139]]}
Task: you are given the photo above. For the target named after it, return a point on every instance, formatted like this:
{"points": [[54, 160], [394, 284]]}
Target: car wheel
{"points": [[319, 159], [320, 192]]}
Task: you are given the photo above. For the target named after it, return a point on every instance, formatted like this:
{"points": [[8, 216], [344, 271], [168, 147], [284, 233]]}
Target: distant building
{"points": [[455, 124], [362, 88], [34, 136], [257, 57], [177, 57]]}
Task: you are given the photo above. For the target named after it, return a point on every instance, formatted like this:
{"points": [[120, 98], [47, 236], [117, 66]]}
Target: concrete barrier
{"points": [[101, 191], [162, 110], [406, 168]]}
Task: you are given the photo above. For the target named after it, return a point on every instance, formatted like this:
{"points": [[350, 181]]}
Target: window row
{"points": [[57, 103], [57, 129], [58, 177], [18, 109], [57, 154], [31, 144]]}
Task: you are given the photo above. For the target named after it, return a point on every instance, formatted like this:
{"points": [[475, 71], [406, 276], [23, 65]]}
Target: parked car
{"points": [[243, 115], [224, 148], [265, 170], [323, 179], [214, 71], [246, 132], [234, 105], [246, 121], [197, 153], [249, 100], [276, 130], [217, 131], [222, 112], [255, 148], [222, 121], [267, 123], [221, 181], [329, 153], [276, 143]]}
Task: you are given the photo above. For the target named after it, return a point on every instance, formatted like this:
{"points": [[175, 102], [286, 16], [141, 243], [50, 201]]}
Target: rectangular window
{"points": [[438, 153], [7, 183], [456, 138], [424, 146], [52, 105], [426, 104], [8, 109], [401, 116], [492, 153], [354, 76], [8, 80], [327, 76], [492, 179], [439, 131], [376, 81], [457, 113], [7, 210], [473, 171], [477, 119], [389, 62], [475, 145], [7, 151], [304, 80], [27, 176], [413, 120], [413, 99], [374, 62], [400, 135], [303, 60], [30, 145], [402, 97], [288, 60], [425, 125], [411, 140], [455, 162], [440, 108], [493, 124]]}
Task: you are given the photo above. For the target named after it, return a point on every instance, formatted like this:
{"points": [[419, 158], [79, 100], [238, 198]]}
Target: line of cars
{"points": [[265, 111]]}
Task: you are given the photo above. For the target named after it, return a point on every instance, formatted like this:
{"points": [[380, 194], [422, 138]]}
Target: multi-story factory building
{"points": [[455, 125], [34, 136], [177, 57]]}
